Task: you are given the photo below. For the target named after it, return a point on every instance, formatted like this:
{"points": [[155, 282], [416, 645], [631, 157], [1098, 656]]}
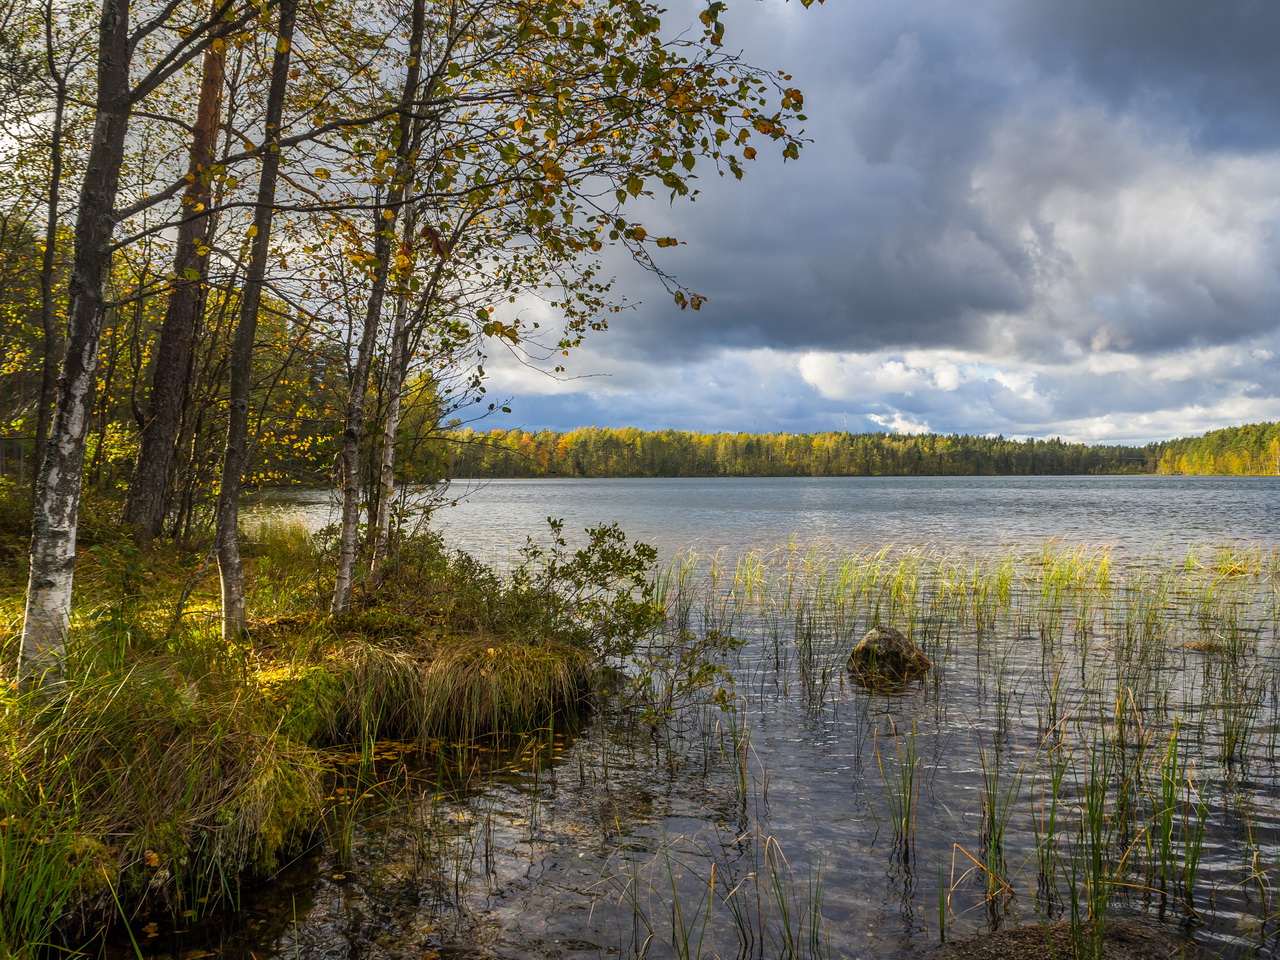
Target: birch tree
{"points": [[384, 231], [235, 455], [57, 495], [558, 116]]}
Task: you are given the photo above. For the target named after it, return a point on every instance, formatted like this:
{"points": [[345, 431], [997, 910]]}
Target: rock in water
{"points": [[886, 655], [1118, 940]]}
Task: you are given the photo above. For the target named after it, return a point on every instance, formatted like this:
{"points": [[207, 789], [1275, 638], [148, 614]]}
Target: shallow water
{"points": [[770, 830]]}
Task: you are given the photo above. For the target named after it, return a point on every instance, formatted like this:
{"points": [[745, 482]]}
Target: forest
{"points": [[1249, 450], [596, 452]]}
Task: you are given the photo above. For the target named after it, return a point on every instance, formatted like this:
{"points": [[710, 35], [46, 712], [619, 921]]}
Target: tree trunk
{"points": [[235, 458], [58, 484], [349, 457], [385, 230], [152, 472], [48, 310], [397, 369]]}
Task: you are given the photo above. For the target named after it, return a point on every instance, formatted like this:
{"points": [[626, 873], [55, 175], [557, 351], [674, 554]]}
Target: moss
{"points": [[379, 623], [310, 698]]}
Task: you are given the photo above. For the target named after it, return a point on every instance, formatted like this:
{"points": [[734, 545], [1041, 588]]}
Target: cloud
{"points": [[1015, 217], [1208, 66], [897, 423]]}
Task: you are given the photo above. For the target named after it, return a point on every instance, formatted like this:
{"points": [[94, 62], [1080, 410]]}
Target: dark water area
{"points": [[817, 817]]}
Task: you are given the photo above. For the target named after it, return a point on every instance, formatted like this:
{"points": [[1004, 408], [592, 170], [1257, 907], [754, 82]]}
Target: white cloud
{"points": [[899, 423]]}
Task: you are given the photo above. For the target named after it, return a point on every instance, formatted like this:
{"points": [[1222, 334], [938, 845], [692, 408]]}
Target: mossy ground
{"points": [[170, 766]]}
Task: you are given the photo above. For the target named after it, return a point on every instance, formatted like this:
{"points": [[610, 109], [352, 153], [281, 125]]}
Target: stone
{"points": [[885, 654]]}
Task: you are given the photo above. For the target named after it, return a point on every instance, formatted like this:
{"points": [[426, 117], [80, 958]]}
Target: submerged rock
{"points": [[1120, 940], [885, 654]]}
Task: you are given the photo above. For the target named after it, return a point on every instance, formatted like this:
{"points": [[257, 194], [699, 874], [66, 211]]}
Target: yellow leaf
{"points": [[321, 173]]}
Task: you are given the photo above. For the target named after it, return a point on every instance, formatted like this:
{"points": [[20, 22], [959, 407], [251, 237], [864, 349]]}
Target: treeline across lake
{"points": [[629, 452], [1250, 450]]}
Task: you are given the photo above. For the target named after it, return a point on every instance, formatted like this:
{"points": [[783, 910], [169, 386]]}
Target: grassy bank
{"points": [[170, 767]]}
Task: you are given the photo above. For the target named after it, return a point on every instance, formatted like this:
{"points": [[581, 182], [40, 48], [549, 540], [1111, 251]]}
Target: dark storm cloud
{"points": [[1211, 64], [954, 164], [870, 238]]}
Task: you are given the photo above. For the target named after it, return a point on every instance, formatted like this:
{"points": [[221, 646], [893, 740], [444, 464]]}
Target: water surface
{"points": [[1139, 515], [740, 834]]}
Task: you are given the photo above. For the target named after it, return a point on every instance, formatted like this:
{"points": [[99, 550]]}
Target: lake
{"points": [[1138, 515], [1100, 729]]}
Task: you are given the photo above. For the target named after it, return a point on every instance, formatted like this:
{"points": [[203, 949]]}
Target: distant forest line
{"points": [[1253, 449]]}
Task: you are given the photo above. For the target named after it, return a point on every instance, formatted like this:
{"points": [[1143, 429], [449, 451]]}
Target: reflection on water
{"points": [[1093, 731]]}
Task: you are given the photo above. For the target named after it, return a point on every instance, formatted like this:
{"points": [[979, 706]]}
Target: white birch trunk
{"points": [[57, 500], [349, 457], [396, 372], [384, 233]]}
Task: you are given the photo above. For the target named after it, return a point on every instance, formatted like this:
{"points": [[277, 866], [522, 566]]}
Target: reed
{"points": [[1121, 653], [1124, 720], [901, 787]]}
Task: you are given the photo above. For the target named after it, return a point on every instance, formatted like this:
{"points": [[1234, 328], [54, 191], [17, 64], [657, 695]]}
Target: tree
{"points": [[57, 495], [585, 107], [235, 455], [149, 486], [385, 215]]}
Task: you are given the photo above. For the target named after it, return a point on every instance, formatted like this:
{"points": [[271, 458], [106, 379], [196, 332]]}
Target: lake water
{"points": [[1137, 515], [777, 829]]}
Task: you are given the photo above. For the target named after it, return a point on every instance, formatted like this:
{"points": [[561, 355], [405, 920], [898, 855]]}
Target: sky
{"points": [[1015, 217]]}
